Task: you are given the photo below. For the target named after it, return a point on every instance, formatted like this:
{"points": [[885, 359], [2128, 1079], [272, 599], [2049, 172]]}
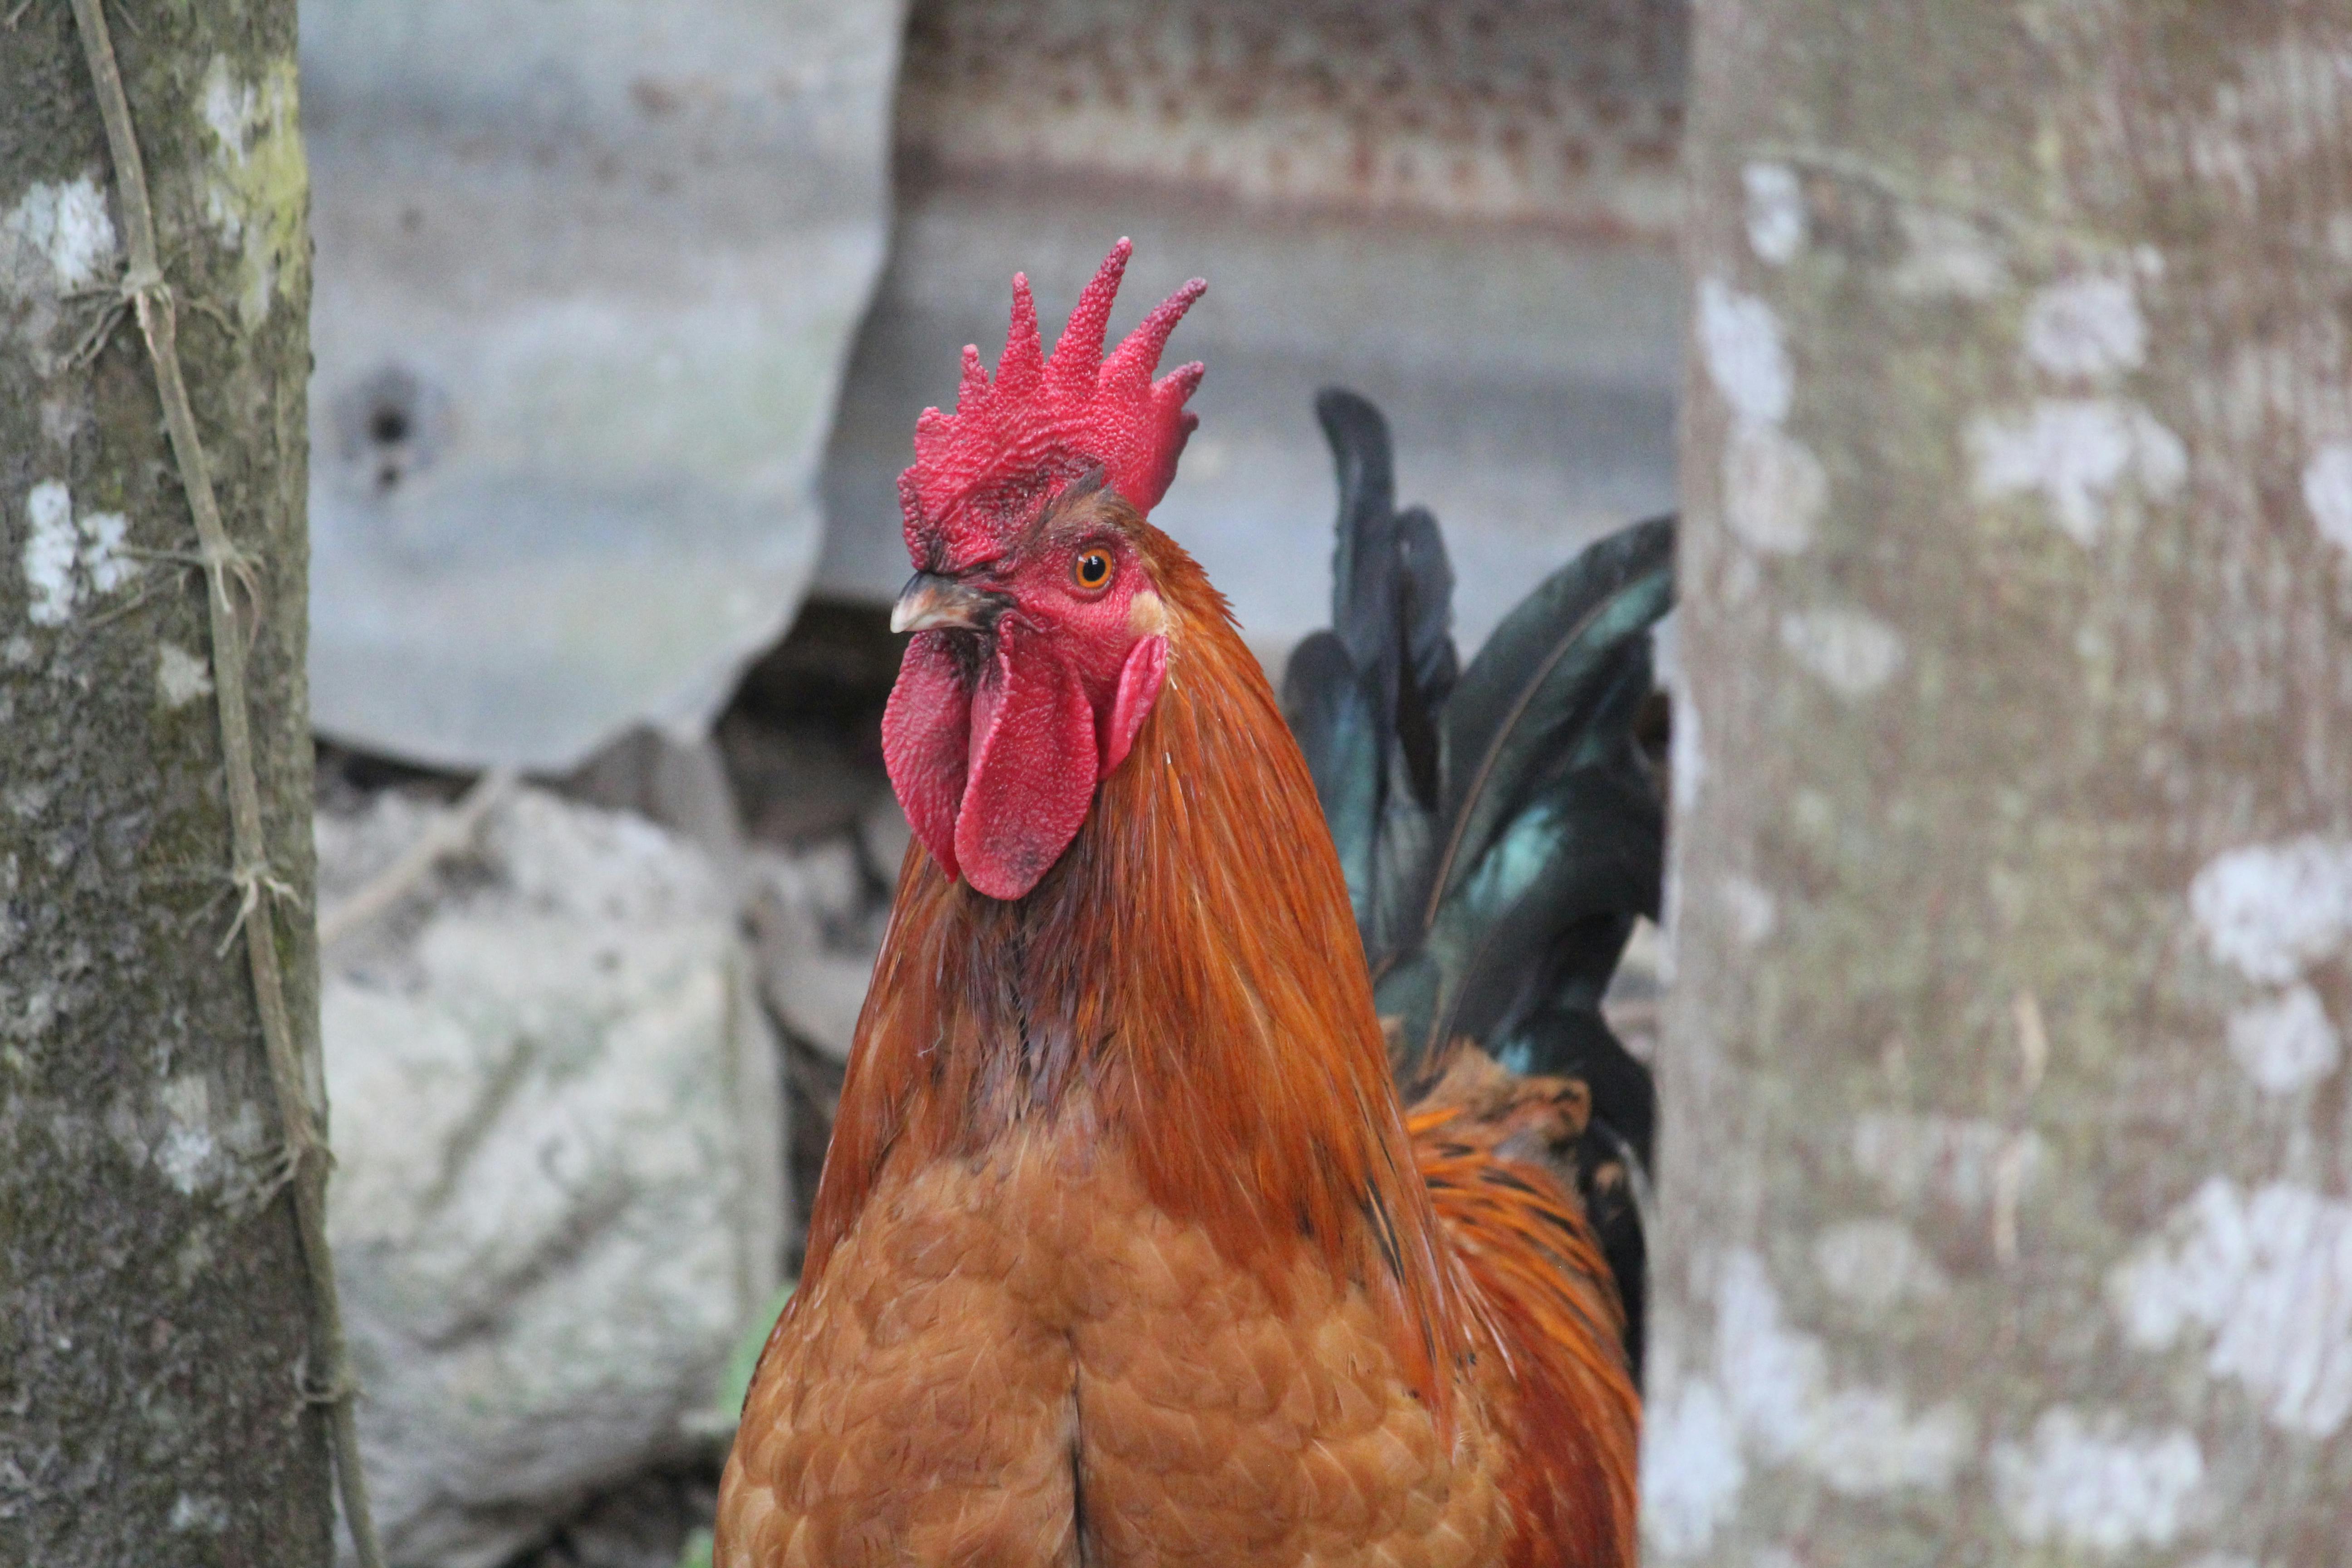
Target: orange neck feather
{"points": [[1191, 964]]}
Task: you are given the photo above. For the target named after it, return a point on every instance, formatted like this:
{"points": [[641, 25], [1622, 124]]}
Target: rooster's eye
{"points": [[1091, 570]]}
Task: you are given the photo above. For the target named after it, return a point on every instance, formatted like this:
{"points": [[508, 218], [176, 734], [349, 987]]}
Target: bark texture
{"points": [[2007, 1176], [153, 1306]]}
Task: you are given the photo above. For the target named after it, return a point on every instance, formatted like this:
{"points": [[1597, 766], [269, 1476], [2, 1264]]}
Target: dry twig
{"points": [[447, 836]]}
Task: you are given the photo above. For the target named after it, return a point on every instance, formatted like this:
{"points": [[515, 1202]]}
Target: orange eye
{"points": [[1091, 570]]}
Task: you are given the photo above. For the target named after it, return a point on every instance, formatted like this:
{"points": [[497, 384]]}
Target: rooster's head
{"points": [[1040, 638]]}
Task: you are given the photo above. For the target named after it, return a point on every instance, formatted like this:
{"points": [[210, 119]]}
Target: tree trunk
{"points": [[154, 1310], [2007, 1178]]}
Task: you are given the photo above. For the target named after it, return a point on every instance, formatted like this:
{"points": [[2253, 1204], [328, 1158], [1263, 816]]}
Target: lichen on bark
{"points": [[153, 1309], [2018, 343]]}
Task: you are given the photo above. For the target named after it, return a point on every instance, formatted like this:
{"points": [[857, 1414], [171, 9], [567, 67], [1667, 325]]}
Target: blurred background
{"points": [[624, 312]]}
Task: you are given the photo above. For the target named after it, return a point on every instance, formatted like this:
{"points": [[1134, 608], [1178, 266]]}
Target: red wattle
{"points": [[1033, 766], [926, 732]]}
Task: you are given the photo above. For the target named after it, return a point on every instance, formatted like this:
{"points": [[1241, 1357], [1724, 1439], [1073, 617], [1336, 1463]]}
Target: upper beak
{"points": [[930, 600]]}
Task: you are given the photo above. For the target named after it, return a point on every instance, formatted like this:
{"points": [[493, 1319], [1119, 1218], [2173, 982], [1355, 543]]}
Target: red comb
{"points": [[979, 472]]}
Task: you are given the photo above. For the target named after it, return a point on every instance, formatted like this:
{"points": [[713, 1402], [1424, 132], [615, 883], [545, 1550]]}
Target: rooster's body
{"points": [[1125, 1251]]}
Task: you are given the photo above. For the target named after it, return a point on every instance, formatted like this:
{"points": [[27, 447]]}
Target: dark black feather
{"points": [[1526, 697], [1425, 628], [1364, 703], [1363, 563], [1610, 1180], [1334, 712], [1500, 827], [1577, 849]]}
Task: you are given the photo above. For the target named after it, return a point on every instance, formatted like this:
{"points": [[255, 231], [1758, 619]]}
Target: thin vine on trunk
{"points": [[166, 1342]]}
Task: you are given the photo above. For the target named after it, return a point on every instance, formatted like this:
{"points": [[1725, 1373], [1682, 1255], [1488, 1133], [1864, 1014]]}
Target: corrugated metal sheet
{"points": [[586, 276], [1564, 115]]}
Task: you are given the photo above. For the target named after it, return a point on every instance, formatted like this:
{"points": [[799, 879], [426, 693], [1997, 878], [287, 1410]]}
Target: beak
{"points": [[930, 600]]}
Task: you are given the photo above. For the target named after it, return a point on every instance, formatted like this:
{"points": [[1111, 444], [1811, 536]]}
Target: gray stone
{"points": [[560, 1197], [818, 915], [586, 276], [883, 834], [680, 784]]}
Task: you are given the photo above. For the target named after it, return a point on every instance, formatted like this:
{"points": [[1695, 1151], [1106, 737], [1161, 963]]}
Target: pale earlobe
{"points": [[1139, 688], [1146, 616]]}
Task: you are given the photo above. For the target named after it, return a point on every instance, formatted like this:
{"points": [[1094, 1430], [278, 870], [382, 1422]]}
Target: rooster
{"points": [[1126, 1249]]}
